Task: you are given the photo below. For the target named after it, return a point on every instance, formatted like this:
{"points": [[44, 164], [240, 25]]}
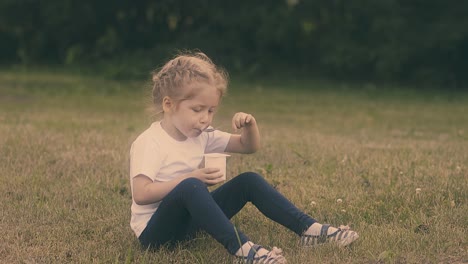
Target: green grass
{"points": [[64, 186]]}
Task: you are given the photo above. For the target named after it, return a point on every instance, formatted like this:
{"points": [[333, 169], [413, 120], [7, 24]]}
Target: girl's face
{"points": [[188, 118]]}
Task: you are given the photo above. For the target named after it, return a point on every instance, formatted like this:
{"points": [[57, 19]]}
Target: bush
{"points": [[384, 40]]}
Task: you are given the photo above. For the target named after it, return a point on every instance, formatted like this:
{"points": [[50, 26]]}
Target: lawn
{"points": [[395, 156]]}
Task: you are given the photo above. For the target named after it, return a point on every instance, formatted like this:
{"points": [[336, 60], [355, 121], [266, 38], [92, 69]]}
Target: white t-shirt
{"points": [[162, 158]]}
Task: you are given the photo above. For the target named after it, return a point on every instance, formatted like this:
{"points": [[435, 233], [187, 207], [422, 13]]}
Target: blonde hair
{"points": [[186, 68]]}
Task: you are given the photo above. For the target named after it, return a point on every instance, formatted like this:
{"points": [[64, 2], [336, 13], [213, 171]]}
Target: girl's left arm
{"points": [[249, 139]]}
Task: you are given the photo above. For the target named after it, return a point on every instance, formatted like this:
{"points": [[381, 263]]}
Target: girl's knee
{"points": [[191, 183], [191, 187], [251, 177]]}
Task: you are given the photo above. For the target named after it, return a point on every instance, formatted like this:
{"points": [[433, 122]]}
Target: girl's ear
{"points": [[167, 104]]}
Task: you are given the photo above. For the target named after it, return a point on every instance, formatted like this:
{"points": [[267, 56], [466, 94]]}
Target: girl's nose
{"points": [[205, 118]]}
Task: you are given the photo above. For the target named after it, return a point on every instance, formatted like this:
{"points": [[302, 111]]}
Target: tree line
{"points": [[411, 40]]}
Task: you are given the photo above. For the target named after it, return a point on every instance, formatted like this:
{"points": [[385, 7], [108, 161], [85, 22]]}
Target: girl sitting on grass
{"points": [[171, 202]]}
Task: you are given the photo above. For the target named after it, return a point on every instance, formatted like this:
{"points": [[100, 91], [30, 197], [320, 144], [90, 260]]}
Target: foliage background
{"points": [[409, 41]]}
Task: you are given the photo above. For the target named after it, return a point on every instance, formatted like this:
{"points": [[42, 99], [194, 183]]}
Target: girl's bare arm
{"points": [[146, 191]]}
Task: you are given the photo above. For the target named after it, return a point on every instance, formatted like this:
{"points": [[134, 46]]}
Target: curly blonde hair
{"points": [[186, 68]]}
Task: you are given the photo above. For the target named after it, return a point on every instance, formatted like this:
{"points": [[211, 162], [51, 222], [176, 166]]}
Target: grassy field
{"points": [[64, 187]]}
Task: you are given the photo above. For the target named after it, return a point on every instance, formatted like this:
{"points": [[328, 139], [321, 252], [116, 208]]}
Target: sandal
{"points": [[273, 257], [343, 237]]}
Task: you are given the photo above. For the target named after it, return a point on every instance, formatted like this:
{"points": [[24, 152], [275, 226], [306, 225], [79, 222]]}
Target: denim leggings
{"points": [[190, 208]]}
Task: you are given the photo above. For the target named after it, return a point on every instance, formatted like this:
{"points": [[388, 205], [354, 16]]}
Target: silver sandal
{"points": [[343, 237], [273, 257]]}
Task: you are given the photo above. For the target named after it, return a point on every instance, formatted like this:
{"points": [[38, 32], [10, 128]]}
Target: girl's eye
{"points": [[196, 110]]}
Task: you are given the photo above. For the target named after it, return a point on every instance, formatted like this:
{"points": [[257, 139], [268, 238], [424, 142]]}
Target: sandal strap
{"points": [[253, 250], [323, 234]]}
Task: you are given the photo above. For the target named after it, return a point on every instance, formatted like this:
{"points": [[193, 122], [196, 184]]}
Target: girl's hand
{"points": [[241, 120], [249, 139], [210, 176]]}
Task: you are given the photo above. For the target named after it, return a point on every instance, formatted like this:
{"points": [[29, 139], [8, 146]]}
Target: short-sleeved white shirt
{"points": [[162, 158]]}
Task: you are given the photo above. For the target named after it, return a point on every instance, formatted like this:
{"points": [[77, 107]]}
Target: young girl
{"points": [[171, 201]]}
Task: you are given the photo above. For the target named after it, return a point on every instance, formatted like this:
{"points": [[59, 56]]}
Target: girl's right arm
{"points": [[146, 191]]}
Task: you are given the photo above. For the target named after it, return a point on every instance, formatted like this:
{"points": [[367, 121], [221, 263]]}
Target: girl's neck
{"points": [[172, 131]]}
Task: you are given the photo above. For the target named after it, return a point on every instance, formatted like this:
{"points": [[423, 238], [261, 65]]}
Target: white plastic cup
{"points": [[217, 160]]}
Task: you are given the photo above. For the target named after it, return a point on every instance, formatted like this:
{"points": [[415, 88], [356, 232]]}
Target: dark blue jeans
{"points": [[190, 208]]}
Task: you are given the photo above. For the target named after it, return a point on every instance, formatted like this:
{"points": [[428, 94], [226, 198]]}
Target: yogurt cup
{"points": [[217, 160]]}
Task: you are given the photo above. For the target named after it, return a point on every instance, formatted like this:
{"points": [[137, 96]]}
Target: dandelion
{"points": [[418, 190], [313, 203], [345, 158], [339, 200], [343, 210]]}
